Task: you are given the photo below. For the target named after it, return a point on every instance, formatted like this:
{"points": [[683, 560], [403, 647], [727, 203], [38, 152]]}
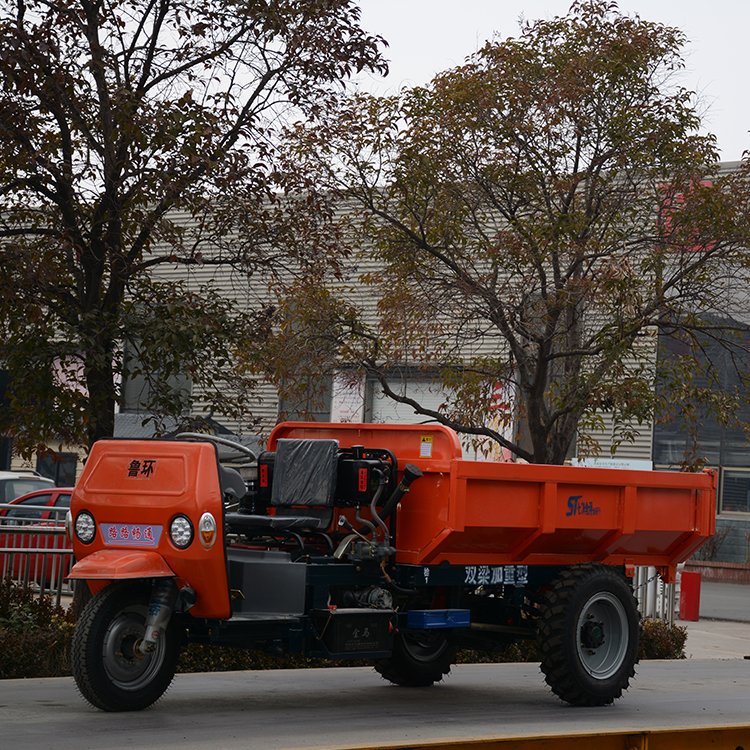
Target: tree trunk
{"points": [[101, 388]]}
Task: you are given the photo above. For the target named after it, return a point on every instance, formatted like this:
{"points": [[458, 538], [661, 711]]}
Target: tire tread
{"points": [[87, 668], [400, 669], [553, 636]]}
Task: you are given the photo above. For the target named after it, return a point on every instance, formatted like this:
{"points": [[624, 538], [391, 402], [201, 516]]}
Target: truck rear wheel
{"points": [[419, 659], [108, 668], [588, 635]]}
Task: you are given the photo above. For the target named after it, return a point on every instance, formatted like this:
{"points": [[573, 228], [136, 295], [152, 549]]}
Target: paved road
{"points": [[346, 707]]}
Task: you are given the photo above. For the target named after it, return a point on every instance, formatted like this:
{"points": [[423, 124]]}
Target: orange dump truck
{"points": [[364, 541]]}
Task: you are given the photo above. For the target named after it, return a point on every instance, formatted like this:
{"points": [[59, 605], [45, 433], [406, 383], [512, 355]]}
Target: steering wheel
{"points": [[219, 441]]}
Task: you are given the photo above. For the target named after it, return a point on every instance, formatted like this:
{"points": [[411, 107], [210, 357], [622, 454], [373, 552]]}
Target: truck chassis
{"points": [[366, 542]]}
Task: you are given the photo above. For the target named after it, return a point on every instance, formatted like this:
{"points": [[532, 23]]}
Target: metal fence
{"points": [[34, 549], [656, 599]]}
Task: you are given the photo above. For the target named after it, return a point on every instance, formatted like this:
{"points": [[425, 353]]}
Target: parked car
{"points": [[13, 484], [49, 495], [27, 526]]}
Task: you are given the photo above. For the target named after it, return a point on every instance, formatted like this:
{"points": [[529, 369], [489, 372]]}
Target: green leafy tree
{"points": [[136, 137], [539, 214]]}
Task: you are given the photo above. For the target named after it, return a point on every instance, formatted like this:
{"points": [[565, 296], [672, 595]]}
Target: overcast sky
{"points": [[427, 36]]}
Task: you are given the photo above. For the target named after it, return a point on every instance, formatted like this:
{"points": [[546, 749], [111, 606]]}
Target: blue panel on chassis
{"points": [[429, 619]]}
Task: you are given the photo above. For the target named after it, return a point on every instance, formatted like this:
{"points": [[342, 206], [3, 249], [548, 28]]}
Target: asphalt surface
{"points": [[339, 707]]}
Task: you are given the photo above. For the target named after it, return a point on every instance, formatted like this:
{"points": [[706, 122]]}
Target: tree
{"points": [[138, 136], [539, 213]]}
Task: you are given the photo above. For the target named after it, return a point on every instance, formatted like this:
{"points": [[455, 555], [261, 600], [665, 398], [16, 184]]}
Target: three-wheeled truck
{"points": [[369, 542]]}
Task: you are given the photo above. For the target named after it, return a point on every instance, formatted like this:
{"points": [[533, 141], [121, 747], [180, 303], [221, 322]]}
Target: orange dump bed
{"points": [[488, 513]]}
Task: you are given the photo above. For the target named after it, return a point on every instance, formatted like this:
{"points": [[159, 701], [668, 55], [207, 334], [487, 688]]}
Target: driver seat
{"points": [[303, 490], [233, 487]]}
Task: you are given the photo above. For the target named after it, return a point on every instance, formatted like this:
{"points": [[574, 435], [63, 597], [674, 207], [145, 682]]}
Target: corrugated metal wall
{"points": [[251, 292]]}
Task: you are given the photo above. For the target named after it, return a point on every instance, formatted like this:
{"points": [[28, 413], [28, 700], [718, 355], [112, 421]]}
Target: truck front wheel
{"points": [[110, 671], [588, 635], [419, 659]]}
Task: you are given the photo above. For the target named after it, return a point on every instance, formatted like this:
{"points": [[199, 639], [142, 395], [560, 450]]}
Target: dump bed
{"points": [[489, 513]]}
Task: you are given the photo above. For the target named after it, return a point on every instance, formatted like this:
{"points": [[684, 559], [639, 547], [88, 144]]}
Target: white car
{"points": [[15, 483]]}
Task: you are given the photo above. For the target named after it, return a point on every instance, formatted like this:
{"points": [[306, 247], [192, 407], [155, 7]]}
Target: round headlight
{"points": [[85, 527], [207, 530], [181, 531]]}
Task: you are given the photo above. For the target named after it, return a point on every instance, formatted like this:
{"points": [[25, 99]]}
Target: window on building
{"points": [[60, 467], [138, 390], [429, 393], [719, 444], [723, 446], [307, 399], [735, 492]]}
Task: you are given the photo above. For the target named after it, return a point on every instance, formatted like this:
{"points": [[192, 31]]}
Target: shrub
{"points": [[199, 658], [662, 641], [521, 651], [35, 634]]}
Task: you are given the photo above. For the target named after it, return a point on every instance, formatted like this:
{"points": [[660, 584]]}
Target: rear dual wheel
{"points": [[588, 635], [109, 670]]}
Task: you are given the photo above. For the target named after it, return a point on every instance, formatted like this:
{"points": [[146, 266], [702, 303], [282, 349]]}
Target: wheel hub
{"points": [[125, 664], [602, 635], [592, 634], [130, 649]]}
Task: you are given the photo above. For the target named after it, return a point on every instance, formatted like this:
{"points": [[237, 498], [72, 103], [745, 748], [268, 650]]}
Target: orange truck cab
{"points": [[365, 541]]}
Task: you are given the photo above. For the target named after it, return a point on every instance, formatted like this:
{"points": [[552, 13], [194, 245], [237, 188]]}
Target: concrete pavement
{"points": [[717, 639], [723, 631], [725, 601]]}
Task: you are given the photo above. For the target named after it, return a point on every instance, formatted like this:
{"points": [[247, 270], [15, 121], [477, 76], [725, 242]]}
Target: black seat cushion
{"points": [[248, 523], [303, 491]]}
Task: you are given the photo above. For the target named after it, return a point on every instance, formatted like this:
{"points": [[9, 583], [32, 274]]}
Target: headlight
{"points": [[181, 531], [207, 530], [85, 527]]}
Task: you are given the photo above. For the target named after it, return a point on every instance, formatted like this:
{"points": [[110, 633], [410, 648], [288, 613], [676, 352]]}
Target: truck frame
{"points": [[369, 542]]}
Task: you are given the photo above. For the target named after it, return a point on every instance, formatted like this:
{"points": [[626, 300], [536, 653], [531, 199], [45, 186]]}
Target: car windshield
{"points": [[13, 488], [63, 501]]}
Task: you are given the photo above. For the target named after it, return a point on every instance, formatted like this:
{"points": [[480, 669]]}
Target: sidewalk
{"points": [[723, 631], [717, 639]]}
